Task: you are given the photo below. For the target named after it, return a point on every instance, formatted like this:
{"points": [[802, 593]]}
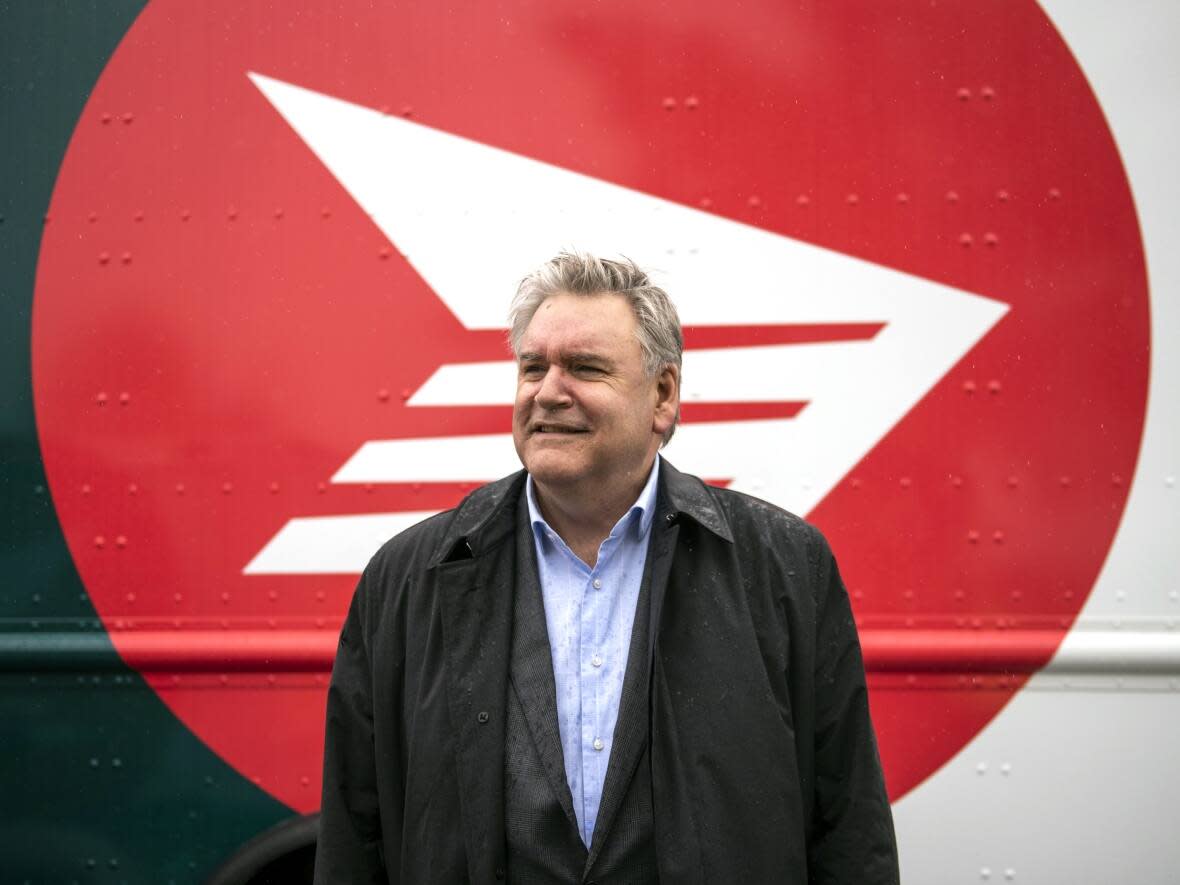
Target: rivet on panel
{"points": [[177, 597], [273, 595], [959, 595], [905, 482], [125, 257], [855, 482], [973, 537], [227, 488], [128, 118], [987, 93], [225, 597], [185, 215], [124, 398], [998, 537], [1169, 481], [1116, 480], [180, 488], [1016, 595], [278, 213], [1064, 482], [1054, 194], [957, 481], [985, 873], [969, 387], [384, 252], [802, 200], [903, 197], [952, 196], [754, 201], [963, 93], [994, 386], [320, 595], [691, 102], [1003, 196], [92, 217], [104, 257], [138, 216], [325, 212], [369, 487], [1006, 768], [86, 488], [273, 488], [121, 541], [100, 541], [319, 623], [852, 199], [130, 597], [383, 395], [669, 103], [407, 111], [321, 488], [406, 393], [270, 678], [223, 679], [965, 239], [132, 489], [231, 213], [990, 239], [705, 203], [1009, 874], [106, 119], [981, 768], [1013, 482]]}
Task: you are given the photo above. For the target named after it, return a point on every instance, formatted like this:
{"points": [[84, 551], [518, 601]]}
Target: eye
{"points": [[531, 370], [586, 369]]}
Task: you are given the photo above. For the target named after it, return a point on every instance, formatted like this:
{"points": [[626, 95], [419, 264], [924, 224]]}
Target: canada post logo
{"points": [[826, 352], [268, 328]]}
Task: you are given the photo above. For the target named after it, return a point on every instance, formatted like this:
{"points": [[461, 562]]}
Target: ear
{"points": [[667, 399]]}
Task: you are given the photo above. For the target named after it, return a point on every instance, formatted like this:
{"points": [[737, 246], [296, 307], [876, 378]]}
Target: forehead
{"points": [[584, 322]]}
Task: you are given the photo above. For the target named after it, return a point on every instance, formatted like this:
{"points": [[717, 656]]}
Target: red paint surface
{"points": [[252, 321]]}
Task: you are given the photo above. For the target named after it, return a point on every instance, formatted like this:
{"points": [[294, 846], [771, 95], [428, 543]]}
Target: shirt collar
{"points": [[644, 506]]}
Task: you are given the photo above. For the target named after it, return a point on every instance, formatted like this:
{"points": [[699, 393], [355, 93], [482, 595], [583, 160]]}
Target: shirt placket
{"points": [[593, 628]]}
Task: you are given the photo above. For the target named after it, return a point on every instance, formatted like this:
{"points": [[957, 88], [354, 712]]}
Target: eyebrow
{"points": [[530, 356]]}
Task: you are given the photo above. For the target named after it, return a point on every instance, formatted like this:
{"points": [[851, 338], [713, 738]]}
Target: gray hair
{"points": [[657, 326]]}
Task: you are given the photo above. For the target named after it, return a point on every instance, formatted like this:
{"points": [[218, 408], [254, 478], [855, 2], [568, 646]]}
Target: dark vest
{"points": [[544, 847]]}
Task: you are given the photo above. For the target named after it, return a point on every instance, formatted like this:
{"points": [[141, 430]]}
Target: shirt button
{"points": [[596, 660], [597, 584], [598, 744]]}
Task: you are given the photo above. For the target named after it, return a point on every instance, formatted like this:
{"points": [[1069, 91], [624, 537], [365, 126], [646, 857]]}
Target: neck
{"points": [[583, 520]]}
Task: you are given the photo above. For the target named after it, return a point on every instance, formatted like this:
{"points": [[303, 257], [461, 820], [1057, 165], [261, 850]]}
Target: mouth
{"points": [[550, 429]]}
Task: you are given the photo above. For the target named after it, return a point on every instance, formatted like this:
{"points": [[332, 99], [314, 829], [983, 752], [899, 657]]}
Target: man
{"points": [[601, 669]]}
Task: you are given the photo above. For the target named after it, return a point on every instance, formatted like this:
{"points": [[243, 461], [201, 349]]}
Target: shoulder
{"points": [[405, 560]]}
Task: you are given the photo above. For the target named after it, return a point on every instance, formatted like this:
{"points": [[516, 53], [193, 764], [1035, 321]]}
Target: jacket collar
{"points": [[485, 517]]}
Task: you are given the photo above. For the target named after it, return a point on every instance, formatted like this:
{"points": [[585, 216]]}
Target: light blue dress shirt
{"points": [[589, 614]]}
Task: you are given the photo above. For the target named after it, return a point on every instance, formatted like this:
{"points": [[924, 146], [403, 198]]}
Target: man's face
{"points": [[588, 420]]}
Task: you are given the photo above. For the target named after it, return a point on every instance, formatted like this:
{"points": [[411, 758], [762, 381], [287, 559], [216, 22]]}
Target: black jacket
{"points": [[763, 760]]}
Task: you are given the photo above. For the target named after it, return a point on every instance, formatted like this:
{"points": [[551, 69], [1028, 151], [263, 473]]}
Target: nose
{"points": [[552, 392]]}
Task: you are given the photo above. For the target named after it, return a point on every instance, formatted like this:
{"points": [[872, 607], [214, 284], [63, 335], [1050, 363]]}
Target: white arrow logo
{"points": [[437, 196]]}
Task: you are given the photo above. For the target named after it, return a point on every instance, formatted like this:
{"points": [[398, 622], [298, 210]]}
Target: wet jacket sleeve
{"points": [[852, 838], [349, 849]]}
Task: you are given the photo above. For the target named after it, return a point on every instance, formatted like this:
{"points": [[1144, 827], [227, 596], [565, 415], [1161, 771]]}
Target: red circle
{"points": [[244, 344]]}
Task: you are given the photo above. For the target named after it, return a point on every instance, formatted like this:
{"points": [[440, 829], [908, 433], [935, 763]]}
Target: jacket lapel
{"points": [[475, 571], [532, 665], [632, 727]]}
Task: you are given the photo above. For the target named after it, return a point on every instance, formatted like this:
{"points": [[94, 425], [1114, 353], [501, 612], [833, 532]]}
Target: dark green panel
{"points": [[100, 782]]}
